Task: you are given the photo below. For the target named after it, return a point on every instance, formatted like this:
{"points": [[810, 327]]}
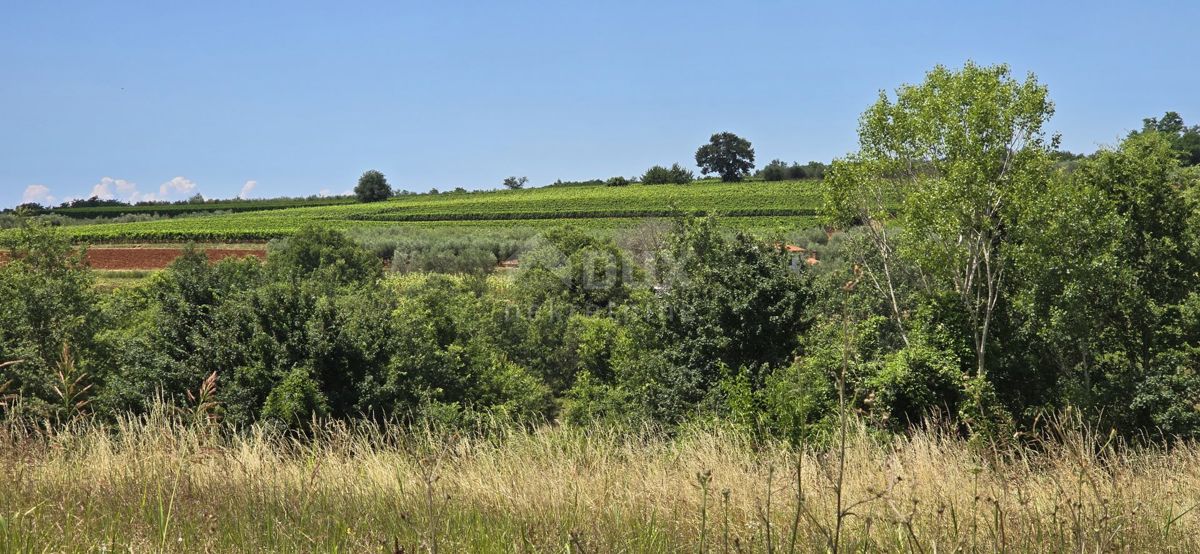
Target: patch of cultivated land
{"points": [[159, 256], [752, 205]]}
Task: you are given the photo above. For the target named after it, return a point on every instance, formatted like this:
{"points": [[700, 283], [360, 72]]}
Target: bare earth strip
{"points": [[157, 257]]}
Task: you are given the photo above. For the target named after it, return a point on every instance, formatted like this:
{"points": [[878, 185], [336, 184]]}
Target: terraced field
{"points": [[756, 205]]}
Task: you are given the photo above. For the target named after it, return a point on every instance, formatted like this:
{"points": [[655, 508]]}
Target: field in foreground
{"points": [[160, 485], [750, 205]]}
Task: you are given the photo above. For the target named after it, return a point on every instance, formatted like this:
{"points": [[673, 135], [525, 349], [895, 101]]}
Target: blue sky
{"points": [[162, 100]]}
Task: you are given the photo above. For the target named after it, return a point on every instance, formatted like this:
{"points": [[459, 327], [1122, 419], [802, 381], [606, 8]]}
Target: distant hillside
{"points": [[751, 204]]}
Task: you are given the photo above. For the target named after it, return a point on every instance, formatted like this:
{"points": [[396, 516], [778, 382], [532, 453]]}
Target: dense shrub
{"points": [[659, 175], [49, 314], [778, 170]]}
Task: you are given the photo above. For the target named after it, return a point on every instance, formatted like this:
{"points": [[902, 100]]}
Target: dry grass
{"points": [[159, 484]]}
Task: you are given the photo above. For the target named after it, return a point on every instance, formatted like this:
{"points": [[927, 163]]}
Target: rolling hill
{"points": [[756, 205]]}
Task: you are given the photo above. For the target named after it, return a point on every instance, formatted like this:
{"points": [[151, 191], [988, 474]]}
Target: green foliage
{"points": [[1185, 141], [372, 187], [514, 183], [587, 183], [913, 383], [584, 271], [594, 402], [799, 402], [659, 175], [967, 272], [727, 155], [727, 303], [776, 170], [951, 157], [617, 181], [1127, 339], [47, 305], [296, 399], [599, 208], [315, 250]]}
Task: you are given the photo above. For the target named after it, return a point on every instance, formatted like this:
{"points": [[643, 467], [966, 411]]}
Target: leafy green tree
{"points": [[810, 170], [1139, 178], [617, 181], [178, 328], [727, 155], [1184, 140], [950, 157], [30, 208], [1147, 339], [48, 312], [446, 352], [514, 183], [372, 187], [1103, 280], [317, 250], [656, 175], [776, 170], [586, 272], [728, 305], [680, 175], [1067, 273]]}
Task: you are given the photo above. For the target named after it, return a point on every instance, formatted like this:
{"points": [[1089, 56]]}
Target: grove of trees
{"points": [[965, 274]]}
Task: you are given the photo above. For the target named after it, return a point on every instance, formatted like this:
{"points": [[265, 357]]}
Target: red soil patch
{"points": [[134, 257], [158, 258]]}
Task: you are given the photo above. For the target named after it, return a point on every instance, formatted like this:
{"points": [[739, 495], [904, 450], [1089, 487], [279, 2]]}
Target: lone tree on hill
{"points": [[727, 155], [372, 187], [515, 183]]}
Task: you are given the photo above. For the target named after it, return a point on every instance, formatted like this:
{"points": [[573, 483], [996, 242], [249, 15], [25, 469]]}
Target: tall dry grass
{"points": [[167, 483]]}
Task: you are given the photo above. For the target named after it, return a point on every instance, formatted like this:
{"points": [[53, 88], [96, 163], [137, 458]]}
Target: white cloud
{"points": [[109, 188], [247, 189], [37, 193], [181, 186], [119, 189], [126, 191], [324, 192]]}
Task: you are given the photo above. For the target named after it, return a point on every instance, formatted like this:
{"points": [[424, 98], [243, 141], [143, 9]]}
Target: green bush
{"points": [[776, 170], [659, 175], [326, 254], [296, 400], [913, 383]]}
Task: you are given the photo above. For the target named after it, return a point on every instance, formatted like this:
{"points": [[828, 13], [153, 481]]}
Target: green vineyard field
{"points": [[757, 205]]}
